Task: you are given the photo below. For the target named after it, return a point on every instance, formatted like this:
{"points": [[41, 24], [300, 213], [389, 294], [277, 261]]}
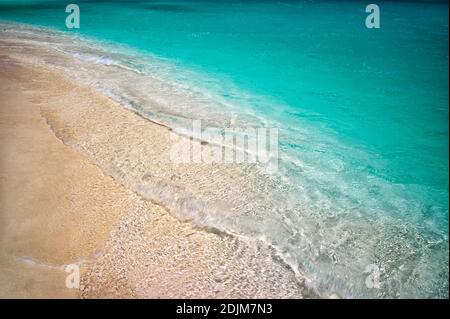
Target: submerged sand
{"points": [[77, 173]]}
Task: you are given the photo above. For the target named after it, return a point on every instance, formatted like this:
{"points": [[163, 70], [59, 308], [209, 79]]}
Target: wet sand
{"points": [[67, 153]]}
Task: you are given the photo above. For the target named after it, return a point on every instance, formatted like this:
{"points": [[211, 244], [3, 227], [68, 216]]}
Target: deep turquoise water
{"points": [[362, 113]]}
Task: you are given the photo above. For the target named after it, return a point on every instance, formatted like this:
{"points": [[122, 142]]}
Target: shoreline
{"points": [[266, 234], [135, 248]]}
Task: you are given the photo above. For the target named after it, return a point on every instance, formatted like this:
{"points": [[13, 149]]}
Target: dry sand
{"points": [[56, 208]]}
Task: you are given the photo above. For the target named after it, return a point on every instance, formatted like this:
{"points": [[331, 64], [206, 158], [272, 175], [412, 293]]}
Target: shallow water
{"points": [[362, 114]]}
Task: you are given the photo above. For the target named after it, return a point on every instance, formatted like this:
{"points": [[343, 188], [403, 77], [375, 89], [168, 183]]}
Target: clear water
{"points": [[362, 113]]}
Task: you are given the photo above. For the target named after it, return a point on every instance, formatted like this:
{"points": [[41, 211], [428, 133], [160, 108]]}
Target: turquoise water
{"points": [[362, 113]]}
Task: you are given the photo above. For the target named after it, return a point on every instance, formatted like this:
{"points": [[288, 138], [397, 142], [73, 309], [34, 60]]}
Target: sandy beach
{"points": [[67, 196]]}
